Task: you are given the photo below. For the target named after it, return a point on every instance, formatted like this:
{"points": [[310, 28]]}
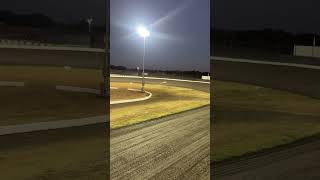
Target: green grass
{"points": [[38, 101], [50, 76], [72, 153], [166, 100], [77, 153], [67, 153], [20, 105], [125, 94], [250, 119]]}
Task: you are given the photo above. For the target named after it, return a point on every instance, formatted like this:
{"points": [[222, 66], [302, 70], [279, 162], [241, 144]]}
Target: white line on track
{"points": [[77, 89], [264, 62], [12, 83], [132, 100], [156, 78], [40, 126], [54, 48]]}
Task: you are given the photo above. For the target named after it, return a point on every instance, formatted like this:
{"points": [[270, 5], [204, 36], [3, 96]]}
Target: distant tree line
{"points": [[118, 67], [42, 28], [192, 73], [34, 20], [39, 20], [269, 40]]}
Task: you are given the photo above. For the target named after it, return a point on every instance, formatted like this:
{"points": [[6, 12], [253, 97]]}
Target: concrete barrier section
{"points": [[293, 78]]}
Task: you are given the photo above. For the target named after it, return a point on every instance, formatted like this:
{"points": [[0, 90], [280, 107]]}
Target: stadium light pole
{"points": [[144, 33], [105, 84], [313, 45], [90, 21]]}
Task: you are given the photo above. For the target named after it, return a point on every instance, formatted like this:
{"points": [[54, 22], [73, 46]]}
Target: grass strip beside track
{"points": [[79, 153], [31, 104], [51, 76], [125, 94], [250, 118], [166, 100], [39, 101], [73, 153]]}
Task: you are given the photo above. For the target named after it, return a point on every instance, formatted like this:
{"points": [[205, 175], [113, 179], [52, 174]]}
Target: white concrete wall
{"points": [[205, 77], [308, 51], [57, 56]]}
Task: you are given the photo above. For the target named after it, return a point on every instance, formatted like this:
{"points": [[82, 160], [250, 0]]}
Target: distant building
{"points": [[205, 77], [307, 51]]}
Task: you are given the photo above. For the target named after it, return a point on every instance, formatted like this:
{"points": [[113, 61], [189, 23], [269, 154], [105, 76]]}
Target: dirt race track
{"points": [[173, 147], [294, 161]]}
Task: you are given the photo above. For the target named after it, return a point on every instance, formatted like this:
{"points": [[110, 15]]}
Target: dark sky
{"points": [[66, 11], [179, 34], [289, 15]]}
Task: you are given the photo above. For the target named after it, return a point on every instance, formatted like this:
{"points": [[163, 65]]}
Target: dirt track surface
{"points": [[174, 147], [293, 79], [191, 85], [86, 59], [77, 153], [295, 161]]}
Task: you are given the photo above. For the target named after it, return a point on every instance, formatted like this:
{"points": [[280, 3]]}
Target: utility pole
{"points": [[106, 61], [144, 54], [90, 21], [313, 45], [106, 83], [144, 33]]}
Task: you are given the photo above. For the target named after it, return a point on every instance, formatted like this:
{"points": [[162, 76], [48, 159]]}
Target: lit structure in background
{"points": [[90, 21], [143, 32]]}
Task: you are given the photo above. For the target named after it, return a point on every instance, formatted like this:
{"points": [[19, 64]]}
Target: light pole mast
{"points": [[90, 21], [106, 61], [143, 32], [313, 45], [144, 54], [106, 83]]}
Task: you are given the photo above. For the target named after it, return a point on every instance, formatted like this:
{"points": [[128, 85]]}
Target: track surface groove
{"points": [[300, 160], [294, 161], [174, 147]]}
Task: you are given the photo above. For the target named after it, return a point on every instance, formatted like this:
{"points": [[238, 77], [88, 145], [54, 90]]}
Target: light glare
{"points": [[143, 32]]}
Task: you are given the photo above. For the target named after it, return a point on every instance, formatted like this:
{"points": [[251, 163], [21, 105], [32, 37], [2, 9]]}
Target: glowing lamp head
{"points": [[143, 32]]}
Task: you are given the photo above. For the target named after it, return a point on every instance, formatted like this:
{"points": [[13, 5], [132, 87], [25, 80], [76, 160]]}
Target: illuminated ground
{"points": [[165, 100], [39, 101], [175, 146], [122, 93], [72, 153], [22, 105], [50, 76], [27, 104], [51, 154], [250, 118], [31, 154]]}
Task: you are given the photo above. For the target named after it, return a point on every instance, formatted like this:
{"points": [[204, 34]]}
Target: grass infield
{"points": [[124, 94], [79, 153], [39, 101], [71, 153], [250, 118], [51, 76], [165, 100]]}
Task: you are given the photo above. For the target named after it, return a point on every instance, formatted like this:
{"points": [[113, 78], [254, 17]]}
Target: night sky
{"points": [[290, 15], [179, 34], [65, 11], [180, 28]]}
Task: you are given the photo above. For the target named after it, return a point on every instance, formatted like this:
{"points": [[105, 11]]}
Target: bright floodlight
{"points": [[143, 32]]}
